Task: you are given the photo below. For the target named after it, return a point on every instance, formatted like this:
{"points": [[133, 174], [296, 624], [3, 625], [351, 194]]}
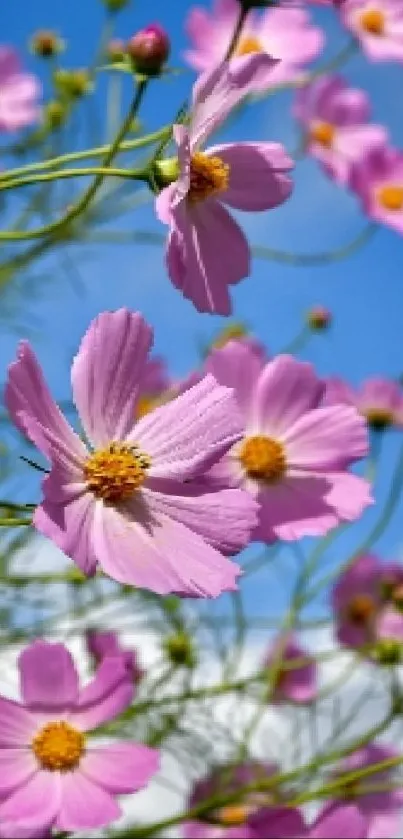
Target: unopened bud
{"points": [[115, 5], [73, 83], [149, 50], [388, 651], [319, 318], [54, 115], [232, 332], [179, 650], [166, 171], [46, 44], [115, 50]]}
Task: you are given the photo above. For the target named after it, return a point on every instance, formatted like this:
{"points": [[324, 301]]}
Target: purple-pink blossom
{"points": [[294, 455], [52, 775], [379, 400], [378, 183], [287, 34], [19, 93], [104, 643], [131, 500], [206, 250], [336, 120], [297, 684], [378, 25]]}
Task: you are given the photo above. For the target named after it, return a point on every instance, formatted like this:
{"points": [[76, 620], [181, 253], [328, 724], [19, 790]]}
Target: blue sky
{"points": [[365, 292]]}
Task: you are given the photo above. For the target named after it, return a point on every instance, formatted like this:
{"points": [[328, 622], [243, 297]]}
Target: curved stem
{"points": [[321, 258], [133, 174]]}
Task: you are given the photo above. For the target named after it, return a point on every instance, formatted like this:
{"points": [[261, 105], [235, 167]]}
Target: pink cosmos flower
{"points": [[378, 183], [295, 454], [125, 501], [379, 400], [361, 815], [335, 118], [285, 33], [51, 773], [207, 251], [298, 684], [23, 830], [19, 93], [378, 25], [101, 644]]}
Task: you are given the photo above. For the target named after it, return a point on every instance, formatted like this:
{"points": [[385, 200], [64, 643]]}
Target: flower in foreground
{"points": [[19, 93], [287, 34], [378, 24], [207, 250], [335, 118], [294, 454], [378, 183], [103, 643], [296, 684], [130, 501], [52, 774], [379, 400]]}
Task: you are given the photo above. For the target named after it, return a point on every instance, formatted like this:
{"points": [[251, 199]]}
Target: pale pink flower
{"points": [[284, 33], [103, 643], [19, 93], [207, 250], [379, 400], [295, 454], [131, 501], [378, 183], [51, 774], [378, 24], [335, 118], [297, 684]]}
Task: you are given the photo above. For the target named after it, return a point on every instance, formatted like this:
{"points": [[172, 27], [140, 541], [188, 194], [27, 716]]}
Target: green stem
{"points": [[132, 174], [321, 258]]}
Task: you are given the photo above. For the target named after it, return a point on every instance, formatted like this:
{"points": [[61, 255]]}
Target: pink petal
{"points": [[9, 63], [287, 388], [70, 527], [278, 823], [344, 820], [238, 366], [49, 680], [34, 412], [16, 767], [383, 825], [257, 174], [121, 767], [161, 555], [327, 438], [108, 694], [106, 374], [190, 433], [37, 801], [17, 725], [84, 805]]}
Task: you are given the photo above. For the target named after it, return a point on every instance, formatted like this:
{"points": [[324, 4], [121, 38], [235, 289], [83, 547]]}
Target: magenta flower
{"points": [[101, 644], [124, 502], [378, 183], [287, 34], [207, 251], [335, 118], [378, 25], [360, 814], [52, 774], [379, 400], [294, 455], [19, 93], [298, 684]]}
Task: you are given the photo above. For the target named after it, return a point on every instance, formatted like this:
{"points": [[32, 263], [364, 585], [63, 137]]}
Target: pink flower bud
{"points": [[319, 318], [149, 49]]}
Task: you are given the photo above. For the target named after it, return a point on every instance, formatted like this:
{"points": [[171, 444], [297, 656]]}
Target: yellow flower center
{"points": [[361, 609], [232, 815], [248, 45], [208, 175], [378, 418], [58, 747], [373, 21], [322, 133], [263, 458], [116, 472], [391, 197]]}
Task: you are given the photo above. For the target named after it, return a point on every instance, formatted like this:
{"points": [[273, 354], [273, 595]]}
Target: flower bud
{"points": [[73, 83], [166, 171], [115, 5], [46, 44], [149, 50], [116, 50], [179, 650], [319, 318], [388, 651], [54, 115]]}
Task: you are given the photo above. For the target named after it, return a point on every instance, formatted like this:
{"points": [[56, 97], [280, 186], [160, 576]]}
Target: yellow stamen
{"points": [[361, 609], [391, 197], [322, 133], [248, 45], [116, 472], [373, 21], [208, 175], [233, 815], [58, 746], [378, 418], [263, 458]]}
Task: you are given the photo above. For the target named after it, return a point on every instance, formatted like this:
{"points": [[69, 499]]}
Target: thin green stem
{"points": [[320, 258], [132, 174]]}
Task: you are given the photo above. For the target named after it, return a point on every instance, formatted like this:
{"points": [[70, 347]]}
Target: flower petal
{"points": [[69, 526], [108, 694], [121, 767], [37, 801], [327, 438], [84, 805], [236, 365], [287, 388], [344, 820], [49, 680], [106, 374], [17, 725], [16, 767], [257, 174]]}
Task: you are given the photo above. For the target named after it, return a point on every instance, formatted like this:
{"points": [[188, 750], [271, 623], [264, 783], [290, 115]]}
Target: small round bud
{"points": [[149, 50], [54, 115], [115, 50], [179, 650], [115, 5], [166, 171], [73, 83], [388, 651], [46, 44], [319, 318]]}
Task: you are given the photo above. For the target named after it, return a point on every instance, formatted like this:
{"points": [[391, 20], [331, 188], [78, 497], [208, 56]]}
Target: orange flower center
{"points": [[58, 747], [233, 815], [373, 21], [322, 133], [248, 45], [391, 197], [263, 458], [116, 472], [208, 175], [361, 609], [378, 418]]}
